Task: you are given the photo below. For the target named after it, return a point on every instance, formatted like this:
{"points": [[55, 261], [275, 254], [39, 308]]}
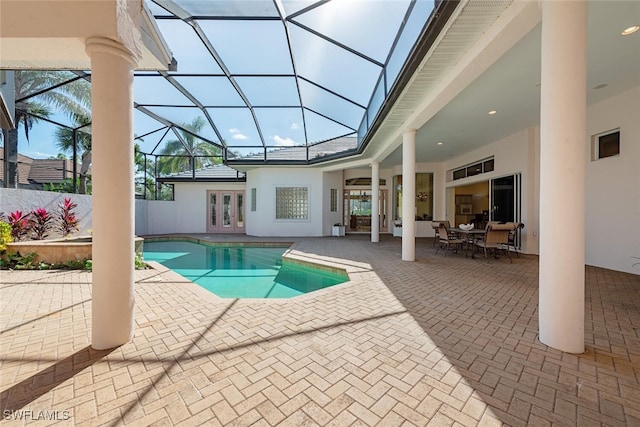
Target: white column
{"points": [[113, 193], [562, 174], [375, 202], [409, 195]]}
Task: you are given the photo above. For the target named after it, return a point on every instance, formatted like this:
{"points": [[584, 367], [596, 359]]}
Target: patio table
{"points": [[468, 236]]}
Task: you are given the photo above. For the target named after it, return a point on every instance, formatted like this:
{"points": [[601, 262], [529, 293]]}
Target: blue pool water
{"points": [[240, 271]]}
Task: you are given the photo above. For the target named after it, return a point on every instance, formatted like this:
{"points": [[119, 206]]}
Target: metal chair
{"points": [[435, 225], [512, 236], [447, 240], [496, 237]]}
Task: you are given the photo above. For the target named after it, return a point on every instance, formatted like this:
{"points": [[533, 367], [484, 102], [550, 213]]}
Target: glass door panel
{"points": [[505, 203], [503, 197], [227, 221], [383, 211], [213, 215], [239, 210]]}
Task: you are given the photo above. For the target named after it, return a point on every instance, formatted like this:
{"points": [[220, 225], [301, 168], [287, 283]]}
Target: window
{"points": [[292, 203], [254, 198], [366, 181], [488, 166], [334, 200], [478, 168], [606, 144], [423, 197], [474, 169], [459, 174]]}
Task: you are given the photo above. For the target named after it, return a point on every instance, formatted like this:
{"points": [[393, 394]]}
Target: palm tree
{"points": [[183, 150], [33, 100], [64, 136]]}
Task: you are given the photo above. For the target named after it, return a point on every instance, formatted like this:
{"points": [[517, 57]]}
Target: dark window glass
{"points": [[609, 145], [474, 169], [459, 174], [488, 165], [363, 181]]}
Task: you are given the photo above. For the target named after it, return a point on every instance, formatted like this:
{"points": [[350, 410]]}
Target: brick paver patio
{"points": [[440, 341]]}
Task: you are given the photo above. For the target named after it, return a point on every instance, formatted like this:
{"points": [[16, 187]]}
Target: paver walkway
{"points": [[439, 341]]}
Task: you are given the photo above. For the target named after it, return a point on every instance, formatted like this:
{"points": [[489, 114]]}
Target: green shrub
{"points": [[139, 262]]}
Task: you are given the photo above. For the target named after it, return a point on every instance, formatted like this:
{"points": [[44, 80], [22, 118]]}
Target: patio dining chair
{"points": [[435, 225], [512, 236], [496, 238], [447, 240]]}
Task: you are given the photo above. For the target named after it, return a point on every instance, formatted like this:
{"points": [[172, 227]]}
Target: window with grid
{"points": [[292, 203]]}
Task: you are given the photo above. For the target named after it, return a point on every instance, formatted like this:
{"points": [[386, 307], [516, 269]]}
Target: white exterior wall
{"points": [[12, 199], [155, 217], [613, 186], [331, 180], [191, 204], [263, 221]]}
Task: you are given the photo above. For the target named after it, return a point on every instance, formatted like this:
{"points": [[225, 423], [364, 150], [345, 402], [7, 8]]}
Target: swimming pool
{"points": [[240, 271]]}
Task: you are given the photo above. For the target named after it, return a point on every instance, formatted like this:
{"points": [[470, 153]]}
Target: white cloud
{"points": [[283, 142], [295, 126], [236, 134]]}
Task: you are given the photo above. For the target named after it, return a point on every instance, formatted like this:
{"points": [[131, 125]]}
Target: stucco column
{"points": [[562, 174], [408, 195], [113, 192], [375, 202]]}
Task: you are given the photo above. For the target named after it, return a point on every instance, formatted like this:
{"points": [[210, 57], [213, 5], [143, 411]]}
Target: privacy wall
{"points": [[12, 199]]}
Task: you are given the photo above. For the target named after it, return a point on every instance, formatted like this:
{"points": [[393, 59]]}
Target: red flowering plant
{"points": [[67, 221], [42, 221], [20, 225]]}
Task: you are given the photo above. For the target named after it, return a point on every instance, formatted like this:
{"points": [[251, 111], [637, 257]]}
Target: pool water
{"points": [[240, 271]]}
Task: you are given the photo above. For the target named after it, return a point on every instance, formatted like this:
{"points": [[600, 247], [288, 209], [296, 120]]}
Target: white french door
{"points": [[225, 211]]}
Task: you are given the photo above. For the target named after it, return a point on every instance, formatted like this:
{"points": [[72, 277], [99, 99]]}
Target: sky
{"points": [[336, 80]]}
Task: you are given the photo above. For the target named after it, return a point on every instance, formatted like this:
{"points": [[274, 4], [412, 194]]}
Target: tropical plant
{"points": [[66, 94], [67, 221], [20, 225], [42, 222], [178, 154], [66, 186], [65, 141]]}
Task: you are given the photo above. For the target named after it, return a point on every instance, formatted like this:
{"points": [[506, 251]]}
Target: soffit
{"points": [[474, 19]]}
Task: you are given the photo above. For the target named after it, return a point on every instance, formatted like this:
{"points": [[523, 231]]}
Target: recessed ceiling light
{"points": [[492, 112], [440, 143], [630, 30]]}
